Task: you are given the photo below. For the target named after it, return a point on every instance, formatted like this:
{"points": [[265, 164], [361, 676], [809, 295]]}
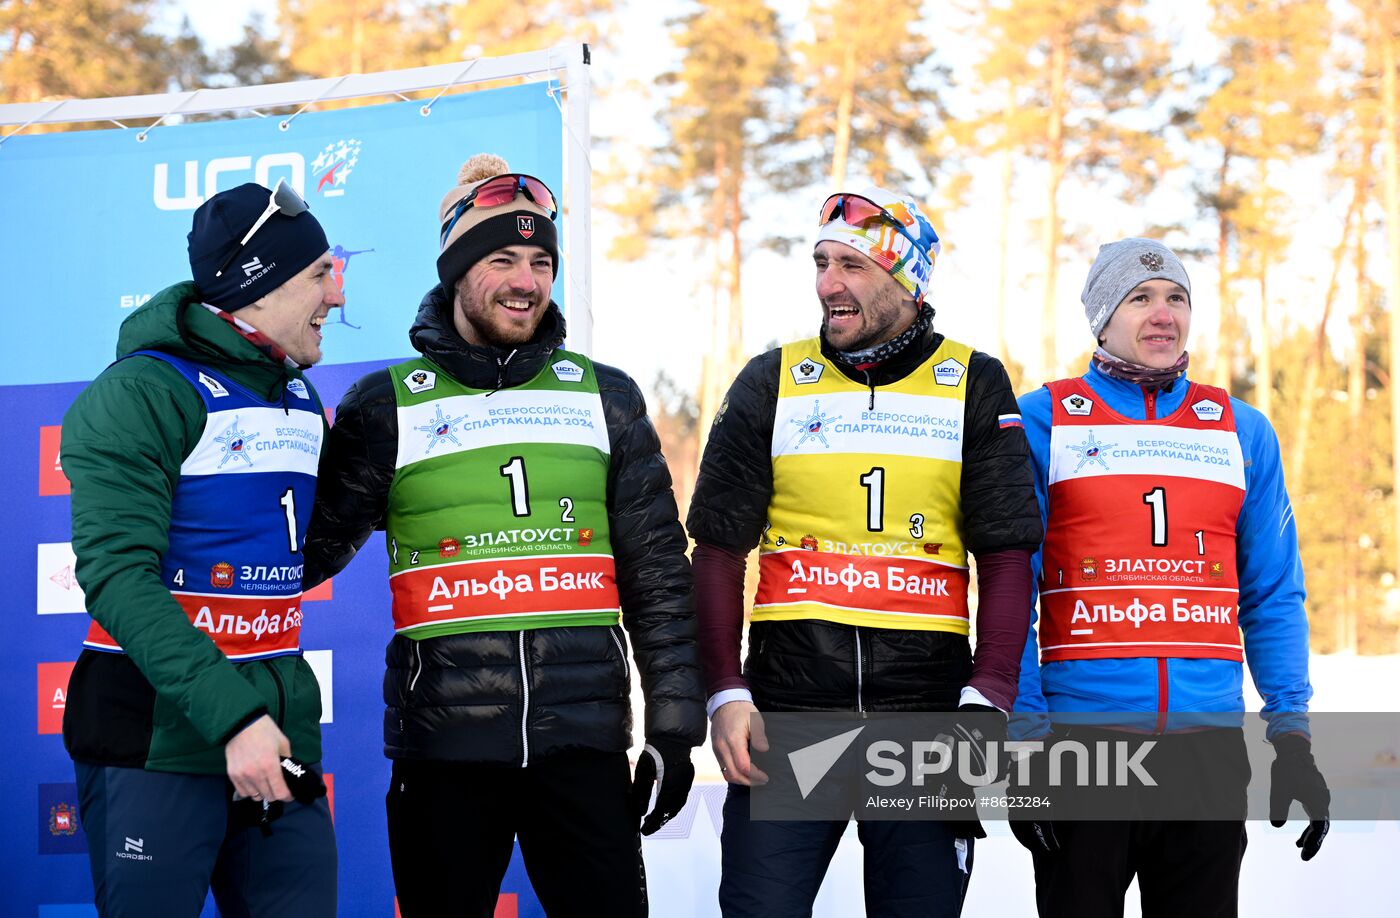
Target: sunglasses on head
{"points": [[283, 200], [502, 189], [856, 210]]}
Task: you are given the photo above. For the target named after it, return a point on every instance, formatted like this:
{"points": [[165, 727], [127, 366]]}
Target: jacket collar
{"points": [[1130, 399], [892, 369], [481, 366]]}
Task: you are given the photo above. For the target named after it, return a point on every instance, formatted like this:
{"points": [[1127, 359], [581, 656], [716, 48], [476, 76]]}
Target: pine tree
{"points": [[869, 87], [1081, 68], [335, 37], [1267, 108], [82, 49], [497, 27], [723, 141]]}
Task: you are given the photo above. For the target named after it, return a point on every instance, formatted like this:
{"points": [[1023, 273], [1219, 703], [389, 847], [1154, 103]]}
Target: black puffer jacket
{"points": [[817, 665], [518, 696]]}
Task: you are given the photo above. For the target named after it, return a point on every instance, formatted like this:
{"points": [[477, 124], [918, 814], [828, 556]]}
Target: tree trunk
{"points": [[1312, 369], [1004, 235], [1392, 226], [1224, 343], [1356, 472], [844, 104], [1050, 231], [736, 255], [357, 39], [713, 374], [1264, 359]]}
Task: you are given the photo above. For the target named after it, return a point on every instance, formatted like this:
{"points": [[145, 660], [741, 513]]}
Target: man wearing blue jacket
{"points": [[1171, 555]]}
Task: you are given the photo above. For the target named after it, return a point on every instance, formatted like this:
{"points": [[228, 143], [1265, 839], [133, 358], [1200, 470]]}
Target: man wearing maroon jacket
{"points": [[880, 447]]}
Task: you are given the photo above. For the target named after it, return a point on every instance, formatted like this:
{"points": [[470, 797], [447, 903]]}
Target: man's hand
{"points": [[254, 758], [732, 732], [1294, 776], [667, 765]]}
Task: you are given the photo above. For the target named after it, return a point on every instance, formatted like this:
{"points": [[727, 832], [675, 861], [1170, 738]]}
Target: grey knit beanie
{"points": [[1119, 267]]}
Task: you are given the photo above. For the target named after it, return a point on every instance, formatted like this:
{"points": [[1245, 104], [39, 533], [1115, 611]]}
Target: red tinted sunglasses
{"points": [[502, 189], [855, 210]]}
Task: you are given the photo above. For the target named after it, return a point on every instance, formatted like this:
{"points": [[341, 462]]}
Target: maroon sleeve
{"points": [[719, 605], [1003, 619]]}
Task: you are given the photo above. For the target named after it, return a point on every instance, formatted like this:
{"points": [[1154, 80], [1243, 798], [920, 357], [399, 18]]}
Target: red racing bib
{"points": [[1139, 556]]}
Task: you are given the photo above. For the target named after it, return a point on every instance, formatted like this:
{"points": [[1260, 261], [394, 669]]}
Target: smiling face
{"points": [[1150, 326], [862, 306], [292, 314], [502, 298]]}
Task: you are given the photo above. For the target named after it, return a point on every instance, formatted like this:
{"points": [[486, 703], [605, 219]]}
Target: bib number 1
{"points": [[514, 470], [289, 504], [874, 483]]}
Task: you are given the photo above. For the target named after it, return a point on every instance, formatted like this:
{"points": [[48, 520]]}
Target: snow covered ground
{"points": [[1354, 874]]}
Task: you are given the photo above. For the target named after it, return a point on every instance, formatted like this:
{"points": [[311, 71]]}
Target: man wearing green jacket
{"points": [[193, 464]]}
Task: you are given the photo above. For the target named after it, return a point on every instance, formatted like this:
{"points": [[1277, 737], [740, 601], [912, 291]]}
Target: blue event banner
{"points": [[96, 221]]}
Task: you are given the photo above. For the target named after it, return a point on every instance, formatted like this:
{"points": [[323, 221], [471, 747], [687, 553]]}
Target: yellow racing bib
{"points": [[865, 521]]}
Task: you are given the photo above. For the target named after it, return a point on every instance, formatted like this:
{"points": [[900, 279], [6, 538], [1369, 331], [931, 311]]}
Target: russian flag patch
{"points": [[1009, 420]]}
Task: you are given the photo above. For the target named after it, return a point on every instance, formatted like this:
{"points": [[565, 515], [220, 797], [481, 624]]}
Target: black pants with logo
{"points": [[452, 828], [158, 842], [1184, 867]]}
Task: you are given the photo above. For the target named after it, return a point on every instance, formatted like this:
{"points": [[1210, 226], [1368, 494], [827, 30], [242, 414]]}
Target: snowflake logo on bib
{"points": [[814, 426], [1091, 451], [441, 428], [235, 443]]}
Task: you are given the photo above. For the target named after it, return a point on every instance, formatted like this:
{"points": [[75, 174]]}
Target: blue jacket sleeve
{"points": [[1272, 615], [1030, 720]]}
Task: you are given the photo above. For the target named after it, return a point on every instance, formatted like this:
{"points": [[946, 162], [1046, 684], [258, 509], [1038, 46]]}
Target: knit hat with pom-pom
{"points": [[470, 235]]}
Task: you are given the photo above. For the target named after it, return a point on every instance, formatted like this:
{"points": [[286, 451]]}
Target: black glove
{"points": [[1294, 776], [977, 733], [1032, 825], [303, 781], [666, 764]]}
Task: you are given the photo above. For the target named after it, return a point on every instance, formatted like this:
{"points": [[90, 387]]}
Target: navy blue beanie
{"points": [[278, 251]]}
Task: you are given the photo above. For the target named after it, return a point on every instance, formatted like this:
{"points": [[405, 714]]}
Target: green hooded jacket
{"points": [[173, 700]]}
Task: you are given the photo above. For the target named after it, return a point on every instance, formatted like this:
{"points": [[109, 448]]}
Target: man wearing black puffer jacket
{"points": [[527, 509], [885, 452]]}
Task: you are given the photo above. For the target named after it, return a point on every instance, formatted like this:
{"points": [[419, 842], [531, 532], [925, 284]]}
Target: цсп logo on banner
{"points": [[330, 168]]}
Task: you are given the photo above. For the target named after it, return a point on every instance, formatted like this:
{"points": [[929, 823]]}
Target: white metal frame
{"points": [[567, 64]]}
